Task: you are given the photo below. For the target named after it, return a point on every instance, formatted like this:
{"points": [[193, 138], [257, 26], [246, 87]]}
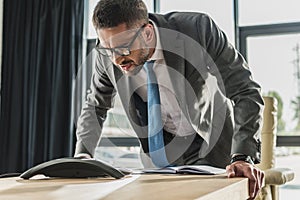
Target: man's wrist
{"points": [[241, 157]]}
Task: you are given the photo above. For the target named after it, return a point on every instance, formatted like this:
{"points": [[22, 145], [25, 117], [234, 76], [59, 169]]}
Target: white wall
{"points": [[220, 11]]}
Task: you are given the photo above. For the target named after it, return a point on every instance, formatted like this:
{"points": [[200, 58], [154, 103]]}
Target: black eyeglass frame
{"points": [[120, 50]]}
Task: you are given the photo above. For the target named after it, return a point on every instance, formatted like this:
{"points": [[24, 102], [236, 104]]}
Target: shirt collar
{"points": [[158, 53]]}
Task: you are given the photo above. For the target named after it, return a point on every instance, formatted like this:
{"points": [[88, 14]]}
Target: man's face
{"points": [[127, 48]]}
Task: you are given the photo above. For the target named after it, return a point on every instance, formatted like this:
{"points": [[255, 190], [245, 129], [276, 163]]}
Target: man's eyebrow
{"points": [[107, 42], [125, 44]]}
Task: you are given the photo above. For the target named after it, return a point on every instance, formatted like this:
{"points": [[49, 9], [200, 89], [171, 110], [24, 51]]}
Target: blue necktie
{"points": [[155, 127]]}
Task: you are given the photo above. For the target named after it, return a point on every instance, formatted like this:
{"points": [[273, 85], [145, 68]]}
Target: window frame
{"points": [[241, 35]]}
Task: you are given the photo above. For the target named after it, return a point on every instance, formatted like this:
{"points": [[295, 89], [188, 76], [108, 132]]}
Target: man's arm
{"points": [[247, 103], [93, 114], [239, 88]]}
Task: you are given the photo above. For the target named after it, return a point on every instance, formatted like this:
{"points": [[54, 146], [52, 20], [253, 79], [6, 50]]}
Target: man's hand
{"points": [[244, 169], [82, 156]]}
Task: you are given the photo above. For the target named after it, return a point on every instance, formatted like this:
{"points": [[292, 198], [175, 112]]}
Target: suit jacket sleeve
{"points": [[239, 87], [93, 113]]}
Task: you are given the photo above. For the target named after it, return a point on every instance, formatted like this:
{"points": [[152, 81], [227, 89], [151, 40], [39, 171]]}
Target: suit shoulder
{"points": [[187, 17], [193, 24], [184, 22]]}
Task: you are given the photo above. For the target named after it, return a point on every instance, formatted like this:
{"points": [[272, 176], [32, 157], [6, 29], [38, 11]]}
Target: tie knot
{"points": [[149, 65]]}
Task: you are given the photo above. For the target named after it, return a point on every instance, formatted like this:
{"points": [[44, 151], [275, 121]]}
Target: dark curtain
{"points": [[42, 51]]}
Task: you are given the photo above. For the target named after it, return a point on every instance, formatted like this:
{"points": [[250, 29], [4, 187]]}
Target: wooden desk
{"points": [[145, 187]]}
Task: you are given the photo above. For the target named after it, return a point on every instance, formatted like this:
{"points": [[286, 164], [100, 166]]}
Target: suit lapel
{"points": [[182, 72], [173, 50], [126, 90]]}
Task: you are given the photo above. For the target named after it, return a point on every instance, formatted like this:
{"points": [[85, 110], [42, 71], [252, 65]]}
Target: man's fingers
{"points": [[82, 156], [243, 169], [234, 170], [230, 171], [260, 180], [253, 184], [256, 177]]}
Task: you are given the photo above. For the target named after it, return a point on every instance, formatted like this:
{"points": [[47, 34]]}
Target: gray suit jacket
{"points": [[211, 81]]}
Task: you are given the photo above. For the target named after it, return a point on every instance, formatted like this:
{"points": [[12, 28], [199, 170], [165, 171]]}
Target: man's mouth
{"points": [[127, 66]]}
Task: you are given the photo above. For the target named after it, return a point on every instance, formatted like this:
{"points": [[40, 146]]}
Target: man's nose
{"points": [[118, 59]]}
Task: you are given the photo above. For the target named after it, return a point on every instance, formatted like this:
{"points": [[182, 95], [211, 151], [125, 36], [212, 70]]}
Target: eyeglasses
{"points": [[120, 50]]}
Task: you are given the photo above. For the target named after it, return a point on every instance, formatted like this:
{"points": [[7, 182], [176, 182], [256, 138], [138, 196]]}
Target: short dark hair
{"points": [[111, 13]]}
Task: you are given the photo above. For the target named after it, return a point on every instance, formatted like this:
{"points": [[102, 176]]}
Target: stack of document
{"points": [[188, 169]]}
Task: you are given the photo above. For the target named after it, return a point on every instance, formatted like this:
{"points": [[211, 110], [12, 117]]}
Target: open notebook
{"points": [[188, 169]]}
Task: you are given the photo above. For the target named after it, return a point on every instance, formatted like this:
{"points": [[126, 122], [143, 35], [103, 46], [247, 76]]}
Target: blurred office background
{"points": [[47, 58]]}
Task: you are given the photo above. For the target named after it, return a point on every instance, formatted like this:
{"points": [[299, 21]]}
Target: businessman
{"points": [[187, 92]]}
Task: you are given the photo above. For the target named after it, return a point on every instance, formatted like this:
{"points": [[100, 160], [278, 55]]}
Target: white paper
{"points": [[188, 169]]}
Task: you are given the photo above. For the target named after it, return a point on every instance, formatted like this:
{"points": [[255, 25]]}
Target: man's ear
{"points": [[149, 33]]}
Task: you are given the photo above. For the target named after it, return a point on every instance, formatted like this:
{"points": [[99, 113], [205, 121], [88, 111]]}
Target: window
{"points": [[269, 37], [255, 12], [274, 62], [289, 156], [220, 11]]}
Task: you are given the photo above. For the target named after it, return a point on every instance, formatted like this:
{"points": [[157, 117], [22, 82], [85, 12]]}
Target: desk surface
{"points": [[143, 187]]}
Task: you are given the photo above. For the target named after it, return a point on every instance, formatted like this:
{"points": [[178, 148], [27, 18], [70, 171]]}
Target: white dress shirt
{"points": [[174, 120]]}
